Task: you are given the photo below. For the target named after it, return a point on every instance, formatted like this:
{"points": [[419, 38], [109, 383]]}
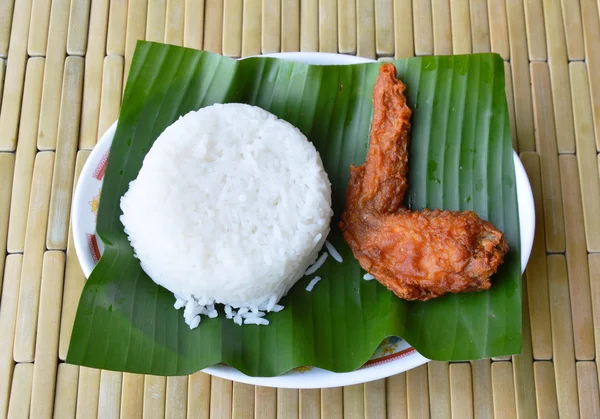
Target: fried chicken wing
{"points": [[418, 255]]}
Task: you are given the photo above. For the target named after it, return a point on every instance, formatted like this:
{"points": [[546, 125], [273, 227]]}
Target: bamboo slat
{"points": [[2, 70], [438, 374], [87, 393], [480, 28], [499, 29], [79, 21], [328, 26], [309, 403], [503, 390], [536, 32], [396, 396], [417, 400], [193, 32], [174, 22], [6, 15], [46, 350], [442, 27], [177, 393], [365, 29], [251, 28], [375, 407], [594, 266], [384, 27], [232, 28], [461, 390], [213, 25], [8, 315], [65, 401], [483, 401], [271, 26], [136, 30], [38, 35], [423, 26], [584, 138], [309, 32], [287, 403], [579, 285], [132, 396], [545, 389], [155, 21], [243, 401], [7, 165], [112, 85], [29, 292], [354, 401], [571, 13], [332, 405], [290, 20], [15, 72], [53, 76], [403, 29], [109, 396], [117, 22], [587, 383], [220, 398], [199, 389], [20, 393], [265, 402], [591, 33], [155, 395]]}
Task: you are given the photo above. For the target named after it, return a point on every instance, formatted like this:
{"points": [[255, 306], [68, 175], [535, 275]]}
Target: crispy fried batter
{"points": [[417, 255]]}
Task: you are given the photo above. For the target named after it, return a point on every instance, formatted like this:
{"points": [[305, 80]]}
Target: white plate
{"points": [[393, 356]]}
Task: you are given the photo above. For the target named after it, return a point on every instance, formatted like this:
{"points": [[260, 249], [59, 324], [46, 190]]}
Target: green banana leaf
{"points": [[460, 158]]}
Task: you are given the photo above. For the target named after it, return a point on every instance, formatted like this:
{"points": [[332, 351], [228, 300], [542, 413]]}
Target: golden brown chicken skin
{"points": [[418, 255]]}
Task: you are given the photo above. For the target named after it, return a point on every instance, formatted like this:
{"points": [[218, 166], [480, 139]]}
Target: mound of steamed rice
{"points": [[231, 206]]}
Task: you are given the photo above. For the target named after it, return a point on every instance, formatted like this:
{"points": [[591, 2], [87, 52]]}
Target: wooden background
{"points": [[63, 64]]}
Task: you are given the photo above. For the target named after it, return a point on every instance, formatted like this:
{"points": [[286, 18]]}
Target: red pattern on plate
{"points": [[93, 246], [388, 358], [101, 168]]}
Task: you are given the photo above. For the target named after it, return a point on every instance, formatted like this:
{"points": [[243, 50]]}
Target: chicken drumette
{"points": [[418, 255]]}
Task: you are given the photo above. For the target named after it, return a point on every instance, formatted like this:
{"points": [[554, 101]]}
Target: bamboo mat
{"points": [[63, 65]]}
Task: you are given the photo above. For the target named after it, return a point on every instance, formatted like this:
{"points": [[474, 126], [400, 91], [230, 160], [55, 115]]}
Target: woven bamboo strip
{"points": [[384, 27], [438, 375], [417, 394], [66, 151], [65, 401], [559, 76], [354, 401], [442, 27], [365, 31], [483, 402], [13, 238], [243, 401], [503, 390], [574, 36], [46, 350], [332, 405], [584, 137], [74, 278], [155, 21], [25, 156], [309, 18], [38, 34], [13, 79], [562, 337], [547, 148], [265, 402], [2, 70], [177, 392], [87, 393], [232, 28], [117, 24], [309, 403], [193, 31], [520, 72], [536, 271], [579, 285], [29, 293], [510, 99], [328, 26], [594, 267], [290, 20], [375, 407], [53, 76], [154, 396], [423, 27], [198, 400], [480, 28], [20, 393], [174, 22], [110, 100], [79, 21], [403, 29], [132, 396], [396, 396], [251, 28], [523, 367], [498, 28], [287, 403], [271, 26], [92, 84], [591, 33], [545, 389], [213, 25], [461, 390], [6, 15], [587, 382], [220, 398], [8, 315], [109, 397], [536, 33], [136, 30]]}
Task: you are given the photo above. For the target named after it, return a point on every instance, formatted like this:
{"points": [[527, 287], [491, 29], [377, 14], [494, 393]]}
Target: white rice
{"points": [[313, 268], [231, 206], [368, 277], [333, 252], [312, 283]]}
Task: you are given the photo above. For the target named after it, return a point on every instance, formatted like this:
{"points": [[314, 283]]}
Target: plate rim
{"points": [[315, 377]]}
